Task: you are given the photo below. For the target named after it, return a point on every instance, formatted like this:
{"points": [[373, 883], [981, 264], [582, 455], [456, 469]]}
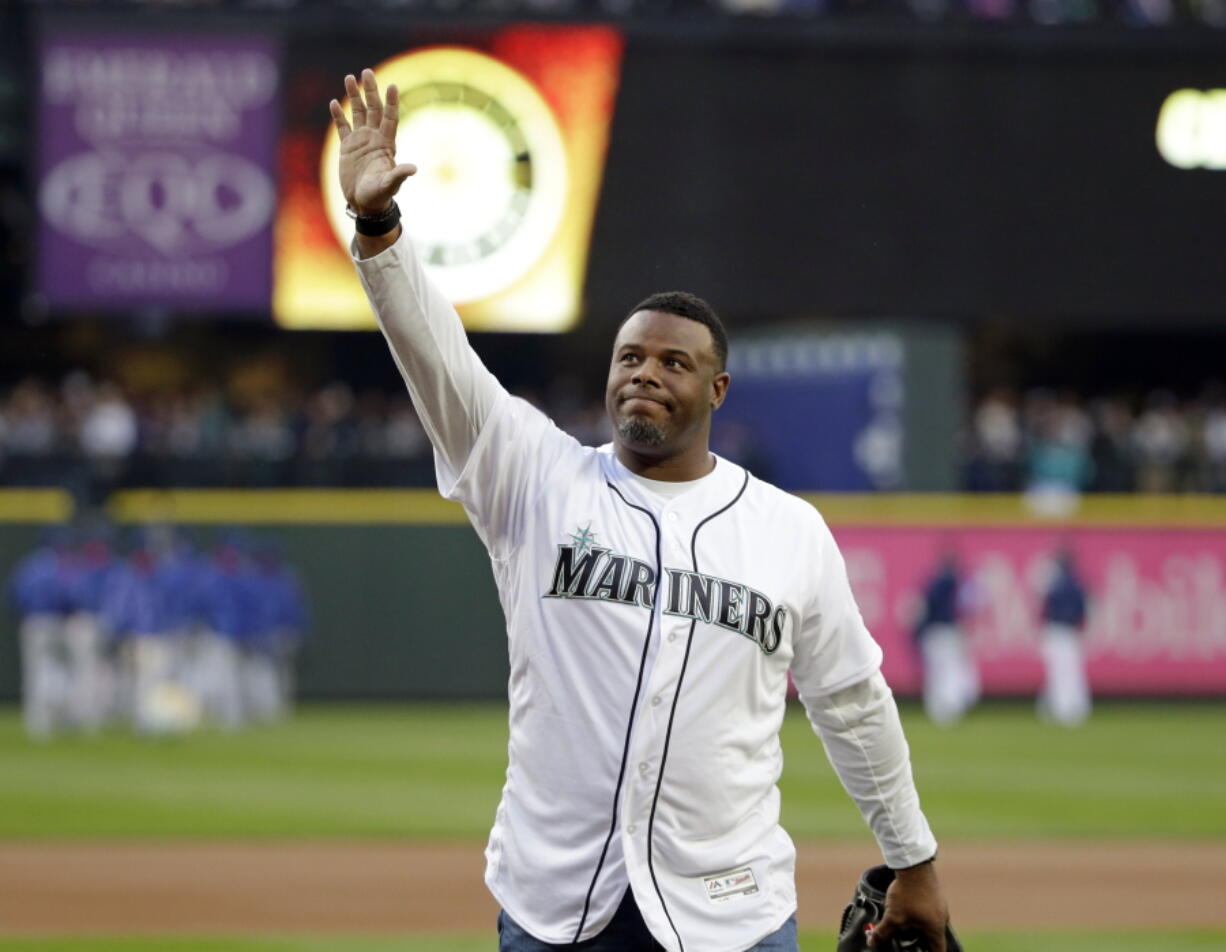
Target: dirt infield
{"points": [[314, 887]]}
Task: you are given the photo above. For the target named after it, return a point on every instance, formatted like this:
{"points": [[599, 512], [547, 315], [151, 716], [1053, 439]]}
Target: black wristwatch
{"points": [[375, 225]]}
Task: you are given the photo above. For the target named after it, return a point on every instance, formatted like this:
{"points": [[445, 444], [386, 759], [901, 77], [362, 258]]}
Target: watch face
{"points": [[491, 184]]}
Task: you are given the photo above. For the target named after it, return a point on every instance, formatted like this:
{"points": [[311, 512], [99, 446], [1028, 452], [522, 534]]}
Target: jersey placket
{"points": [[655, 714], [662, 679]]}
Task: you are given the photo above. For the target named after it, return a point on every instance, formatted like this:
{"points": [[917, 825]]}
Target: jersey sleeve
{"points": [[453, 392], [518, 454], [833, 648], [492, 451], [864, 741]]}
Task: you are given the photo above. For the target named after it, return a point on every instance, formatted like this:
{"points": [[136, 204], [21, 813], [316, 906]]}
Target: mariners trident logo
{"points": [[587, 570]]}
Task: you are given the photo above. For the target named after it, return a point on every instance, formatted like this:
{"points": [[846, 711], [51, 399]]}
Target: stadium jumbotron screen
{"points": [[509, 131]]}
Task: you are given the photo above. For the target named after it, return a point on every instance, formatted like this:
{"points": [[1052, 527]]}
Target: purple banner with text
{"points": [[156, 184]]}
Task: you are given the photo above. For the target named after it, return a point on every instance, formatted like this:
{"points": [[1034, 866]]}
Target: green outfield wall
{"points": [[402, 598], [398, 610]]}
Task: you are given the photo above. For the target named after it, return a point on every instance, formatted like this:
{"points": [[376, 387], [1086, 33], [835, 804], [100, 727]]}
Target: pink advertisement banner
{"points": [[1157, 602]]}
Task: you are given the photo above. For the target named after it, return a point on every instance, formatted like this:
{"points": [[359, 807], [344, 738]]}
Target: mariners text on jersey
{"points": [[584, 570]]}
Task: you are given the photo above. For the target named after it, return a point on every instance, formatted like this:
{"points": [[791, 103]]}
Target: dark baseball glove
{"points": [[865, 910]]}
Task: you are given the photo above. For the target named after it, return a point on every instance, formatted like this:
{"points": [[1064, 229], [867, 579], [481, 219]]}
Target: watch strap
{"points": [[375, 225]]}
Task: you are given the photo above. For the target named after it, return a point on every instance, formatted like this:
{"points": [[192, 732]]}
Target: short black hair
{"points": [[684, 304]]}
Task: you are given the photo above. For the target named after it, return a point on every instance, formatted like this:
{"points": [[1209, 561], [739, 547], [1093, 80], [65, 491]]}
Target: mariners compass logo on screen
{"points": [[585, 569]]}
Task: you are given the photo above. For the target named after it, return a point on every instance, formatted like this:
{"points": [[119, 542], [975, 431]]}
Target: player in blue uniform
{"points": [[40, 592], [92, 673], [226, 614], [138, 620], [280, 629], [951, 681], [1066, 689]]}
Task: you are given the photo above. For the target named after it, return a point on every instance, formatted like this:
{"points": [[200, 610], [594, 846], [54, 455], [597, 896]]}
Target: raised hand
{"points": [[369, 174]]}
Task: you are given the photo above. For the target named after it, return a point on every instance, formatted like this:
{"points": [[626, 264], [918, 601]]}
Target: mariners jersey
{"points": [[650, 637]]}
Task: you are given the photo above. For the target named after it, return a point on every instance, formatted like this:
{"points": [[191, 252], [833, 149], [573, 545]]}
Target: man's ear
{"points": [[719, 389]]}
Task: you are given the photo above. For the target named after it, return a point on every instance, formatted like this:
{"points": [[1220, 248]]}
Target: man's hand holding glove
{"points": [[893, 911]]}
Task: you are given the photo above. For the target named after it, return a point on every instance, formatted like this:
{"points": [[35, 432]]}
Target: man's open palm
{"points": [[368, 170]]}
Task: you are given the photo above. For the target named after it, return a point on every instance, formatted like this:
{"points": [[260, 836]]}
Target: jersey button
{"points": [[655, 701], [672, 516], [630, 829], [643, 767], [672, 636]]}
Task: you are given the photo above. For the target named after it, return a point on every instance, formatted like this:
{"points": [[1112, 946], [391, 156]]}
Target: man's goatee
{"points": [[642, 432]]}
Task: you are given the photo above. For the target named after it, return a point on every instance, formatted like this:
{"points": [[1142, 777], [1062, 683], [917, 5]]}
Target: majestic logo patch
{"points": [[735, 884], [586, 570]]}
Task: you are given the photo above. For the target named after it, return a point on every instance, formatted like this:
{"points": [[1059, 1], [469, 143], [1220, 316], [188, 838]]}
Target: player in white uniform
{"points": [[656, 597]]}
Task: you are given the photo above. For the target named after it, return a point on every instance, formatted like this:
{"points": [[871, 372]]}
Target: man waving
{"points": [[656, 598]]}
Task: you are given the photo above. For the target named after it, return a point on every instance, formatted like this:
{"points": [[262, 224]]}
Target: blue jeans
{"points": [[625, 932]]}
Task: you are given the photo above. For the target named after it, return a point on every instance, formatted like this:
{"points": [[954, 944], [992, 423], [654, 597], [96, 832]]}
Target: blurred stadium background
{"points": [[968, 252]]}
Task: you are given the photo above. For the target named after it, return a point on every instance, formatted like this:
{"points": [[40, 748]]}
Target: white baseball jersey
{"points": [[651, 629]]}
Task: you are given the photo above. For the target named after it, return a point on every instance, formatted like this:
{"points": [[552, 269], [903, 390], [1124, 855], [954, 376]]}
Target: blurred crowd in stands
{"points": [[1058, 440], [1041, 12], [164, 639], [91, 438]]}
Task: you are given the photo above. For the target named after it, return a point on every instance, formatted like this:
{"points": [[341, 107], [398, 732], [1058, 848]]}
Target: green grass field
{"points": [[434, 772]]}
